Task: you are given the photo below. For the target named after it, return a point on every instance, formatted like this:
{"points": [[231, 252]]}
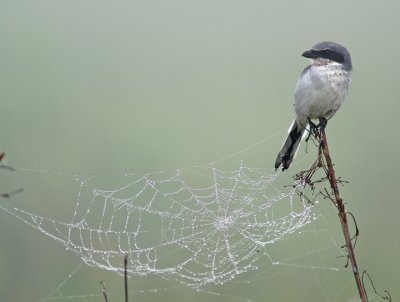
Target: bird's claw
{"points": [[314, 128]]}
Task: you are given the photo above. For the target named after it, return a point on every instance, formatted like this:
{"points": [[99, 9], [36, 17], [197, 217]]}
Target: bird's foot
{"points": [[314, 128], [322, 123]]}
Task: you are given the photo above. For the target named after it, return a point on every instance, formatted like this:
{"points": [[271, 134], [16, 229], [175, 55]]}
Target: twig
{"points": [[387, 297], [126, 277], [103, 286], [342, 213], [7, 167], [2, 166], [305, 178], [103, 290], [9, 194]]}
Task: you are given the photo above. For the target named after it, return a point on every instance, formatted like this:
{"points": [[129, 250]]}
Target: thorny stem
{"points": [[342, 213]]}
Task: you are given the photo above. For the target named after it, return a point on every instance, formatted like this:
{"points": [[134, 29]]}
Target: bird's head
{"points": [[327, 52]]}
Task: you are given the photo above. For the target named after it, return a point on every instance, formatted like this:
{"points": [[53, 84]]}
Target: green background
{"points": [[136, 86]]}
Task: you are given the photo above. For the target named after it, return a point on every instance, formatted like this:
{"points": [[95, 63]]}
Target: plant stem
{"points": [[342, 214], [126, 277]]}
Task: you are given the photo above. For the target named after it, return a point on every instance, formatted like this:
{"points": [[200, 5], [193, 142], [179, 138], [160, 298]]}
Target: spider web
{"points": [[200, 225]]}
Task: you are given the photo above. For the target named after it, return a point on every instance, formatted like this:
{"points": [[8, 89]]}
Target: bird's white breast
{"points": [[320, 91]]}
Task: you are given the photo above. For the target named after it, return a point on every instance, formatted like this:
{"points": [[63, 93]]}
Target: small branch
{"points": [[126, 277], [2, 166], [357, 230], [7, 167], [387, 297], [342, 213], [103, 290], [9, 194], [306, 179], [103, 286]]}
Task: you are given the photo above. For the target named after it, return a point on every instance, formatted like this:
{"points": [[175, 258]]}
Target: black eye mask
{"points": [[324, 53], [331, 55]]}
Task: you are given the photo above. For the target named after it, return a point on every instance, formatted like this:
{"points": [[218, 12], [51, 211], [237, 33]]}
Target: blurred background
{"points": [[137, 86]]}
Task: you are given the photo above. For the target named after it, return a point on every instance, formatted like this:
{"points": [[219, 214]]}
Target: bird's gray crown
{"points": [[332, 51]]}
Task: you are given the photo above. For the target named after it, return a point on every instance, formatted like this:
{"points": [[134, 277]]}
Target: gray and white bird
{"points": [[320, 91]]}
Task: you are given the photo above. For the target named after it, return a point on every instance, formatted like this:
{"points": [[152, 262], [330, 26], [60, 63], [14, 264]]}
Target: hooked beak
{"points": [[311, 54]]}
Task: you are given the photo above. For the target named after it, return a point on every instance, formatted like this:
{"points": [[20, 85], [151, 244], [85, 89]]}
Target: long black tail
{"points": [[290, 147]]}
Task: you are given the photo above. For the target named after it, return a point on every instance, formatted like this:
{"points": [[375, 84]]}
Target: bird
{"points": [[319, 93]]}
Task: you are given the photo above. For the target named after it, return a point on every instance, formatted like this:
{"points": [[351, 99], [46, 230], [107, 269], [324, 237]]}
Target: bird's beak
{"points": [[311, 54]]}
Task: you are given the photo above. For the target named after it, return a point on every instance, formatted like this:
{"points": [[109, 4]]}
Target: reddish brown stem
{"points": [[342, 214]]}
